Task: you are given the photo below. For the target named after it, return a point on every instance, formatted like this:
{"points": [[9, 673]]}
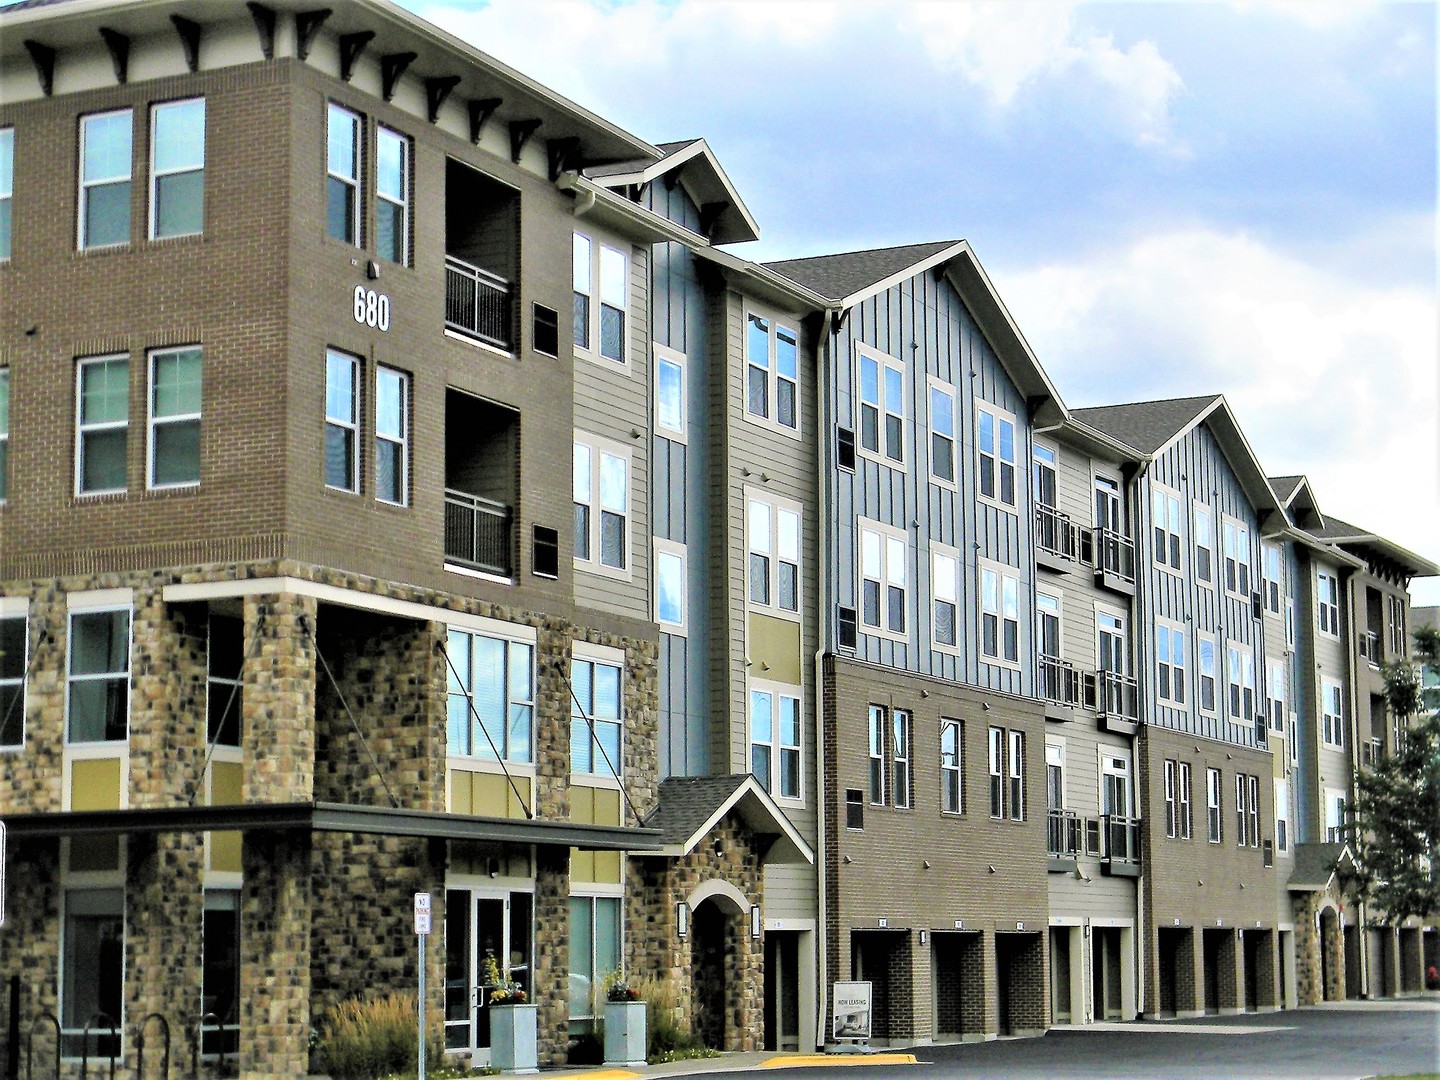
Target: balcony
{"points": [[478, 303], [1062, 840], [1117, 701], [1114, 562], [477, 533], [1059, 687], [1121, 857], [1057, 543], [481, 485]]}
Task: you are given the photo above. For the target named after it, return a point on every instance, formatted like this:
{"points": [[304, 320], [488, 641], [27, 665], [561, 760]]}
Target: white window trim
{"points": [[777, 504], [1168, 497], [1106, 755], [1021, 476], [5, 432], [1003, 572], [1282, 814], [1220, 685], [407, 169], [1275, 720], [884, 360], [151, 423], [356, 182], [352, 425], [1266, 581], [1049, 592], [1214, 803], [663, 547], [81, 429], [1114, 489], [1038, 445], [778, 690], [1124, 633], [599, 444], [128, 177], [871, 756], [156, 175], [1334, 797], [907, 760], [932, 386], [592, 351], [938, 552], [773, 377], [1213, 547], [678, 434], [509, 633], [403, 441], [1184, 796], [7, 187], [958, 769], [1321, 607], [995, 768], [1181, 663], [604, 656], [1338, 724], [885, 533], [101, 745], [1248, 560], [17, 609], [1172, 799], [1015, 776], [1246, 653]]}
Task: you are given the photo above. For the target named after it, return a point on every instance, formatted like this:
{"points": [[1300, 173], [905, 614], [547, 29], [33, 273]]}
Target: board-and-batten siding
{"points": [[1195, 466], [612, 401], [924, 324]]}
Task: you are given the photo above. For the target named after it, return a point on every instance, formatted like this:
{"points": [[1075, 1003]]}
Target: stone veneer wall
{"points": [[30, 944], [276, 908]]}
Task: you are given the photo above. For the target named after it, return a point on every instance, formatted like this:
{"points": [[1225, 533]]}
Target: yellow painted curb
{"points": [[595, 1074], [810, 1061]]}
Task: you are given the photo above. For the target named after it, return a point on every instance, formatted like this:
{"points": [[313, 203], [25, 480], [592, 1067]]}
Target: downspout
{"points": [[1351, 767], [1142, 598]]}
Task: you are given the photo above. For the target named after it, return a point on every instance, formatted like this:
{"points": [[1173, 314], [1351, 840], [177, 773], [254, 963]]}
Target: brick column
{"points": [[990, 986], [1412, 974], [900, 977], [1267, 970], [1030, 987], [275, 921], [922, 985], [1230, 959], [1190, 972], [976, 988]]}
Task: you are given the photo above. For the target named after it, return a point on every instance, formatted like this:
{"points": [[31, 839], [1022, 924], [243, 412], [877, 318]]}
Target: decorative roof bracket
{"points": [[43, 57], [189, 40], [307, 25], [119, 46], [520, 132], [264, 27], [436, 91], [480, 112], [351, 46], [392, 66]]}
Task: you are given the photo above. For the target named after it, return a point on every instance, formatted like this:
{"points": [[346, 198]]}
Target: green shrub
{"points": [[667, 1035], [363, 1038]]}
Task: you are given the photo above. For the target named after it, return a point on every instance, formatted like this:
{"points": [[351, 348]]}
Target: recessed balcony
{"points": [[1057, 543]]}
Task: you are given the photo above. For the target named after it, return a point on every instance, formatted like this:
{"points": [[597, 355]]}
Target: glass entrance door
{"points": [[482, 925]]}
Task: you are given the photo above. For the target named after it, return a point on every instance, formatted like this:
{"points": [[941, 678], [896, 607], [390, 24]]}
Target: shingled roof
{"points": [[837, 276], [1147, 425], [1315, 866], [690, 806]]}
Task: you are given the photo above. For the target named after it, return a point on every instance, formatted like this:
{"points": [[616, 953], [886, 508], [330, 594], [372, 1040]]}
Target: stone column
{"points": [[279, 699], [1332, 940], [552, 953], [276, 912]]}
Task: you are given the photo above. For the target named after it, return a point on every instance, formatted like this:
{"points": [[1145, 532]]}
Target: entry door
{"points": [[481, 924]]}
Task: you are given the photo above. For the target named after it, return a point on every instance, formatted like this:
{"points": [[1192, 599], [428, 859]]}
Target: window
{"points": [[900, 759], [1394, 606], [220, 970], [491, 697], [995, 446], [774, 556], [1275, 695], [392, 436], [1114, 785], [1112, 656], [1165, 523], [883, 579], [105, 171], [595, 940], [1047, 628], [854, 808], [999, 614], [997, 772], [98, 705], [1109, 513], [12, 681], [771, 371], [952, 786], [342, 421], [1290, 623], [92, 968], [545, 330], [1237, 558], [1170, 664], [101, 425], [342, 181], [4, 433], [945, 592], [1282, 815], [602, 532], [669, 393], [1252, 810], [595, 746], [877, 754], [603, 324], [1273, 580], [670, 584], [1044, 467], [1172, 805], [225, 658], [1327, 588], [7, 189], [1240, 811], [942, 433], [1213, 805], [1184, 793], [882, 406], [1204, 543], [1332, 714], [177, 168], [1242, 684], [174, 418], [392, 196], [1017, 776], [775, 740], [1207, 675], [1334, 816], [1055, 791]]}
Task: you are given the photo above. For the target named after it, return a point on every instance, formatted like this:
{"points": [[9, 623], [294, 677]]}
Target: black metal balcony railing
{"points": [[1059, 681], [1122, 838], [1115, 554], [1063, 837], [477, 533], [1117, 695], [1370, 646], [1055, 533], [477, 303]]}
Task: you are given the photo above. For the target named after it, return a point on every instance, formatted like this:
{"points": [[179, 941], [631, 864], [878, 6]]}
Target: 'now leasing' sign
{"points": [[852, 1011]]}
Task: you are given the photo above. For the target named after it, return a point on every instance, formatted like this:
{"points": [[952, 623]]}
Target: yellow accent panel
{"points": [[487, 794], [95, 784], [226, 781], [607, 866], [582, 804], [459, 785], [225, 852], [1277, 755], [607, 806], [91, 854], [775, 642], [582, 865]]}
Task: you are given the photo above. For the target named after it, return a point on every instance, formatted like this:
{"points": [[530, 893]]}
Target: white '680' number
{"points": [[372, 308]]}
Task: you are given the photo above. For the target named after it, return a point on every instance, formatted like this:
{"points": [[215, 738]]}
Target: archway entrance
{"points": [[708, 966]]}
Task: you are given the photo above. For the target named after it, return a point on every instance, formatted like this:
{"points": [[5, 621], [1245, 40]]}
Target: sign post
{"points": [[422, 931]]}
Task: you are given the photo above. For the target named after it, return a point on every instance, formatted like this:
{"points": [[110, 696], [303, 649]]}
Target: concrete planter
{"points": [[625, 1033], [512, 1038]]}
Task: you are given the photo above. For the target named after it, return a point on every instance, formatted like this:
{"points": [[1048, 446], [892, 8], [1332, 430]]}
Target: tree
{"points": [[1396, 817]]}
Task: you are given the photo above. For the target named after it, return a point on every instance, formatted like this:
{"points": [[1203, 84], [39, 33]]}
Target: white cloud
{"points": [[1313, 14], [1329, 378]]}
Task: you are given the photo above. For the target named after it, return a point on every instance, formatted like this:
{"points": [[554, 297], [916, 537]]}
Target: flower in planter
{"points": [[503, 991], [617, 989]]}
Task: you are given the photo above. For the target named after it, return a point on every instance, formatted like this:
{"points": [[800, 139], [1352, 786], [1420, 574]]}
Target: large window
{"points": [[1000, 614], [392, 436], [1172, 801], [1017, 776], [1044, 472], [1327, 602], [1247, 810], [1332, 713], [105, 169], [881, 393], [597, 691], [594, 950], [1184, 793], [876, 729], [775, 740], [1237, 558], [7, 189], [12, 681], [900, 758], [670, 399], [102, 423], [995, 461], [98, 684], [1394, 605], [996, 764], [342, 421], [772, 372], [92, 968], [177, 168], [945, 597], [942, 433], [774, 555], [1207, 677], [670, 606], [1170, 664], [392, 195], [1274, 582], [883, 579], [600, 326], [1282, 815], [1242, 683], [952, 782], [1165, 523], [342, 180], [1213, 808], [602, 505], [175, 394], [220, 970], [491, 698], [1275, 695], [1204, 543], [4, 433]]}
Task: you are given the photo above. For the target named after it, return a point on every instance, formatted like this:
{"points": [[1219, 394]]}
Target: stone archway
{"points": [[1332, 955], [718, 917]]}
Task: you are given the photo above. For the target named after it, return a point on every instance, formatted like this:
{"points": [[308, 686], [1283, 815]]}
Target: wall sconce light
{"points": [[755, 924], [926, 864], [682, 919], [924, 937], [991, 869], [924, 693]]}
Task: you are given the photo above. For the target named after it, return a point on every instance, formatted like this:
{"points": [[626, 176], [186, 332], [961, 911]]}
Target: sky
{"points": [[1170, 198]]}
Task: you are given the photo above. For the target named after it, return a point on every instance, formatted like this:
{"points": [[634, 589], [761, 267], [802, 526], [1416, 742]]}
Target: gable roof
{"points": [[849, 277], [695, 165], [1344, 535], [1315, 866], [690, 806], [1298, 498]]}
